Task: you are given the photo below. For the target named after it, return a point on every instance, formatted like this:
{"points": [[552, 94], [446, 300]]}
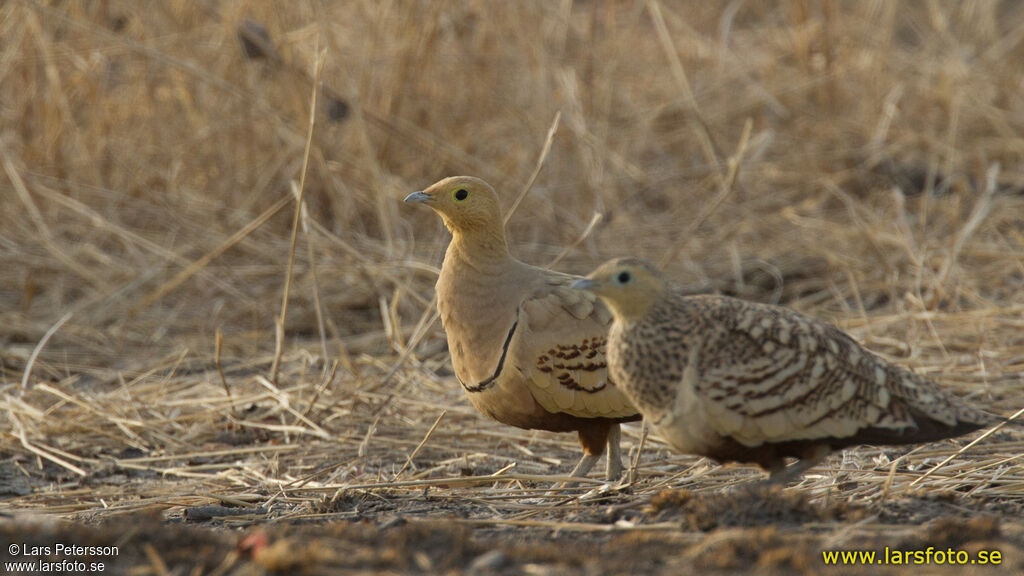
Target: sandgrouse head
{"points": [[466, 204], [628, 286]]}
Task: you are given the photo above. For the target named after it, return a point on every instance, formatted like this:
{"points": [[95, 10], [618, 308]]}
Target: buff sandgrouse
{"points": [[528, 350]]}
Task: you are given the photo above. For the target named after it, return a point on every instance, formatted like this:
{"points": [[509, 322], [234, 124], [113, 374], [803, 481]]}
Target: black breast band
{"points": [[485, 384]]}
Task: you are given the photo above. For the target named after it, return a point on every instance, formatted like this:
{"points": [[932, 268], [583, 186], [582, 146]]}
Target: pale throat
{"points": [[627, 311], [479, 247]]}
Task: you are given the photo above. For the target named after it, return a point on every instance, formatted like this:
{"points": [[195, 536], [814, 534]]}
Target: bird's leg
{"points": [[593, 439], [613, 464], [584, 466], [785, 474]]}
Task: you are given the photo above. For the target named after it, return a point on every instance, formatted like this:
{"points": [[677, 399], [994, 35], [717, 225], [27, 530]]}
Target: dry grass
{"points": [[149, 175]]}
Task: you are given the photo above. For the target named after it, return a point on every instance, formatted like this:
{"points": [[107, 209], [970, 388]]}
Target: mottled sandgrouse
{"points": [[528, 349], [746, 382]]}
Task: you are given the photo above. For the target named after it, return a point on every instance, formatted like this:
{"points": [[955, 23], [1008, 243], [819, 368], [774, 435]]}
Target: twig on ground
{"points": [[26, 375], [282, 317]]}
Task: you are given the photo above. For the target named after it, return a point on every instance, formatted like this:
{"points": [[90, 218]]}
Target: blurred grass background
{"points": [[150, 150], [137, 138]]}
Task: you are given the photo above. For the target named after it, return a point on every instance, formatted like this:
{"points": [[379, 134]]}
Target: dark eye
{"points": [[624, 277], [461, 194]]}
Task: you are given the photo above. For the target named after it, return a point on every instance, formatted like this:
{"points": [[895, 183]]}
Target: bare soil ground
{"points": [[857, 161]]}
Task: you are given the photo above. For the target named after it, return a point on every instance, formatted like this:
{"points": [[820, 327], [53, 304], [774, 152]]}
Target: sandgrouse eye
{"points": [[461, 194], [624, 277]]}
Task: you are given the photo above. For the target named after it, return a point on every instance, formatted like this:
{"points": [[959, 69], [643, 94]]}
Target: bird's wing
{"points": [[559, 348], [768, 374]]}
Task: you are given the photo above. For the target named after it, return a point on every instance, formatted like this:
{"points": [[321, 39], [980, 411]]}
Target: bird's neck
{"points": [[479, 248], [628, 312]]}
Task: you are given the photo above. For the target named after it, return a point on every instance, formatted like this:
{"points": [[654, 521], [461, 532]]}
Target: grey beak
{"points": [[418, 197], [584, 284]]}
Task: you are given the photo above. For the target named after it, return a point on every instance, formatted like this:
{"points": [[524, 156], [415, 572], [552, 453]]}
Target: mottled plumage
{"points": [[527, 348], [740, 381]]}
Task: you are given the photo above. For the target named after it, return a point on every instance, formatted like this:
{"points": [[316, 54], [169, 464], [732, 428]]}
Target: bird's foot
{"points": [[607, 489]]}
